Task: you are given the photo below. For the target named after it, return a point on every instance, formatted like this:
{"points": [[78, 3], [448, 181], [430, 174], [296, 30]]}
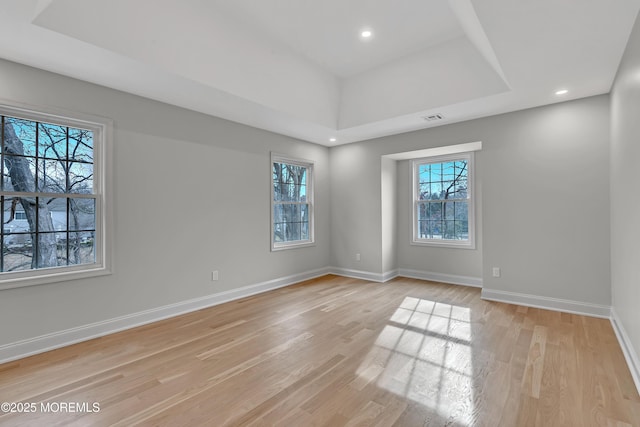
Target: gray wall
{"points": [[625, 198], [546, 201], [356, 217], [358, 208], [543, 191], [191, 196], [389, 199]]}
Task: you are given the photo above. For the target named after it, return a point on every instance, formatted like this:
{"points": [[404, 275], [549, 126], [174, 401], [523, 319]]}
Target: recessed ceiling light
{"points": [[332, 140], [366, 34], [562, 92]]}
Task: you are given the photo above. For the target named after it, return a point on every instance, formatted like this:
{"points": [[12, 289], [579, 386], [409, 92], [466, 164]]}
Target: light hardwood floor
{"points": [[336, 351]]}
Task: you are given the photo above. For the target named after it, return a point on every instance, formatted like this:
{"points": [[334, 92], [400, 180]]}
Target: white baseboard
{"points": [[40, 344], [405, 272], [359, 274], [441, 277], [627, 348], [557, 304], [388, 275]]}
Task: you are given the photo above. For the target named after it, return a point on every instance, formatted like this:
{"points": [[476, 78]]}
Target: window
{"points": [[443, 211], [52, 198], [291, 203]]}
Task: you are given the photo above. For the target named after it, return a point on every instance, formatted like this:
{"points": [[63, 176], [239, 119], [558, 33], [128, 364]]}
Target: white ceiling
{"points": [[327, 32], [300, 68]]}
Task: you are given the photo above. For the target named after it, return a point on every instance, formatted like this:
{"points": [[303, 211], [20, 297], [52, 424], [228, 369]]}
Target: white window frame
{"points": [[102, 129], [459, 244], [279, 158]]}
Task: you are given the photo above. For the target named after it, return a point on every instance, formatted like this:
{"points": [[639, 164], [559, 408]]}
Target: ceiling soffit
{"points": [[297, 67]]}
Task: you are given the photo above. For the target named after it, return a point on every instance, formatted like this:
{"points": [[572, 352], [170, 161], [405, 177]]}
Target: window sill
{"points": [[45, 276], [292, 245], [444, 244]]}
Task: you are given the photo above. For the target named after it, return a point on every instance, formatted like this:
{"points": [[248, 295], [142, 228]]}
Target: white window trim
{"points": [[457, 244], [102, 129], [310, 165]]}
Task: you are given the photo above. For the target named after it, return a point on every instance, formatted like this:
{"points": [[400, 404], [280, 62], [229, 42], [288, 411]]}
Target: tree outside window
{"points": [[47, 197], [292, 203], [443, 203]]}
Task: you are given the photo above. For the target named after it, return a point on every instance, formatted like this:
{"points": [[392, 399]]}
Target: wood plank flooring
{"points": [[338, 352]]}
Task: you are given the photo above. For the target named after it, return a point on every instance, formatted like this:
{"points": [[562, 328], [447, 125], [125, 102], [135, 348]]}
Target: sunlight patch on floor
{"points": [[424, 354]]}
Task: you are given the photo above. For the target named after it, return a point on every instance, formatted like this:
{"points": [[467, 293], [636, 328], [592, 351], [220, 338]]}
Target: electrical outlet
{"points": [[496, 271], [214, 275], [357, 257]]}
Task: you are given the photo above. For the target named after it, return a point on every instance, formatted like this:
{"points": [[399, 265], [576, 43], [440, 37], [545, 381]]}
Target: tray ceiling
{"points": [[301, 68]]}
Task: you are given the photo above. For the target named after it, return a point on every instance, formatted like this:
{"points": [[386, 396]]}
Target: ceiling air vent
{"points": [[433, 117]]}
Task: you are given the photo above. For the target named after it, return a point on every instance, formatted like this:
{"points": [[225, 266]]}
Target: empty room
{"points": [[319, 213]]}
